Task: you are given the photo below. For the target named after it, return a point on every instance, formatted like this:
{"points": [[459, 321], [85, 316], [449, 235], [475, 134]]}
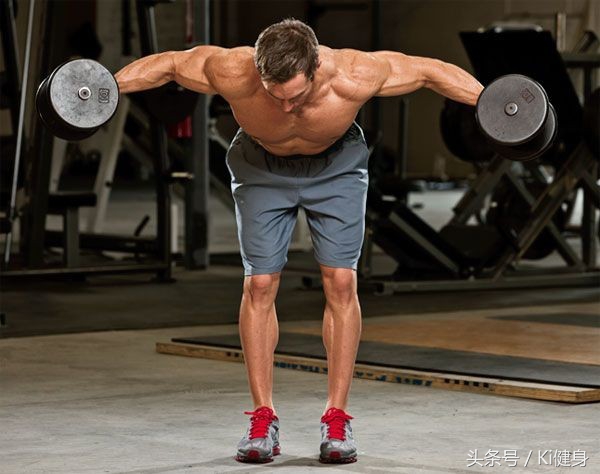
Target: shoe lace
{"points": [[336, 422], [260, 422]]}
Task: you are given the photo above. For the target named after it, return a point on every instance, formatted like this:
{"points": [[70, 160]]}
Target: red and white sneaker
{"points": [[261, 441], [337, 441]]}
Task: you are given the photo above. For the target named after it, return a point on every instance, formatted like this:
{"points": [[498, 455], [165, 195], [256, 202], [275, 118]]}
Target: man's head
{"points": [[286, 56]]}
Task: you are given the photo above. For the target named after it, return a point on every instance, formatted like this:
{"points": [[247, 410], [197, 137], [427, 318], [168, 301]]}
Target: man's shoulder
{"points": [[232, 62], [232, 71], [355, 72], [355, 63]]}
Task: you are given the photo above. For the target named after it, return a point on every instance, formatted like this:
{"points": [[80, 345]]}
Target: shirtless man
{"points": [[298, 146]]}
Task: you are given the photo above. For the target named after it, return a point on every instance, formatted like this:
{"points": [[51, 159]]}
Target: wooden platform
{"points": [[448, 381], [566, 334], [549, 352]]}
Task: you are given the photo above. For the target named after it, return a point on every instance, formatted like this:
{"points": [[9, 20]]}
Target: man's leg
{"points": [[341, 332], [335, 201], [259, 333], [265, 191]]}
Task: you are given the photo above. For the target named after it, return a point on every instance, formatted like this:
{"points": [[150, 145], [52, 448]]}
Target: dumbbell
{"points": [[515, 115], [77, 99], [80, 96]]}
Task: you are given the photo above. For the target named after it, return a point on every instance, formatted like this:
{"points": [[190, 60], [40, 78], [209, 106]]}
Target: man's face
{"points": [[290, 95]]}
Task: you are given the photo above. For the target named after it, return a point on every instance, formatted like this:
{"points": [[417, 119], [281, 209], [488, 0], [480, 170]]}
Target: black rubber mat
{"points": [[432, 359], [117, 302], [570, 319]]}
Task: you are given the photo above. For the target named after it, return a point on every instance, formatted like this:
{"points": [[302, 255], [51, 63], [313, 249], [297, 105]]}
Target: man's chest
{"points": [[321, 122]]}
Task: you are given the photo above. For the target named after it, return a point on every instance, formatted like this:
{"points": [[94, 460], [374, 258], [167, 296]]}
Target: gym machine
{"points": [[530, 208], [41, 182]]}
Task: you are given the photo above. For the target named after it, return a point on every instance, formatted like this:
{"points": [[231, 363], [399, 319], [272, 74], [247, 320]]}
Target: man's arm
{"points": [[187, 68], [407, 73], [389, 73]]}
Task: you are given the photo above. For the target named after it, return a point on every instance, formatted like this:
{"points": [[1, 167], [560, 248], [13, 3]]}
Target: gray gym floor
{"points": [[107, 402], [83, 389]]}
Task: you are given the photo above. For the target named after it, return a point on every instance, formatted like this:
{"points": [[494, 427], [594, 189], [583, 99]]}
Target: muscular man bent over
{"points": [[298, 146]]}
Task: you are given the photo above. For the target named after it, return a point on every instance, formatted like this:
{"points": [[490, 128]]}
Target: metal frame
{"points": [[551, 277], [9, 37], [563, 248], [546, 206], [149, 45], [487, 179], [589, 63], [84, 271], [197, 189], [10, 50], [113, 137], [45, 174], [504, 273], [429, 247], [38, 183]]}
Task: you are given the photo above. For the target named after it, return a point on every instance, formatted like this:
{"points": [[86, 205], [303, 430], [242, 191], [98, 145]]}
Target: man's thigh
{"points": [[335, 205], [265, 208]]}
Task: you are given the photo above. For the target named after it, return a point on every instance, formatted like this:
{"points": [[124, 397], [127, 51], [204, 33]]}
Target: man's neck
{"points": [[318, 85]]}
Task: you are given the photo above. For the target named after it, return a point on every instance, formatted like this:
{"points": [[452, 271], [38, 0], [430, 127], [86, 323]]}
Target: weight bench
{"points": [[67, 204]]}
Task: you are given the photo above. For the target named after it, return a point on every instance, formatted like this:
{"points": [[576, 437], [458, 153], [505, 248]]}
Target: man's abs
{"points": [[299, 139], [297, 146]]}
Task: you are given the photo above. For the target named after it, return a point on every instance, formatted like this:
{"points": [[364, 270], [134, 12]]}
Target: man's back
{"points": [[297, 101], [326, 112]]}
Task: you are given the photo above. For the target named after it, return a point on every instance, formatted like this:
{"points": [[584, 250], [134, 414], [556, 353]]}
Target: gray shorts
{"points": [[268, 190]]}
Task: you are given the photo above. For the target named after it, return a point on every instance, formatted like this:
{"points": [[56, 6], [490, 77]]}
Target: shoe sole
{"points": [[254, 456], [337, 460]]}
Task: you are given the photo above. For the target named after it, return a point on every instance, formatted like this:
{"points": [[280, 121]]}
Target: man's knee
{"points": [[261, 289], [339, 285]]}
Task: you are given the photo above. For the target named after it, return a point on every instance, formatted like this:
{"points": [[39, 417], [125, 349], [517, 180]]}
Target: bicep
{"points": [[191, 68], [402, 74]]}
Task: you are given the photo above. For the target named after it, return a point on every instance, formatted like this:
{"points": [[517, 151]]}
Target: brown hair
{"points": [[285, 49]]}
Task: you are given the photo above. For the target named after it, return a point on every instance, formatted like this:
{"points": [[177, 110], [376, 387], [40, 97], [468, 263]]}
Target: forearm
{"points": [[146, 73], [452, 82]]}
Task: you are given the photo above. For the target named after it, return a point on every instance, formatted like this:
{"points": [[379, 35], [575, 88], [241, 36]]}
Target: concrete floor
{"points": [[107, 402]]}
